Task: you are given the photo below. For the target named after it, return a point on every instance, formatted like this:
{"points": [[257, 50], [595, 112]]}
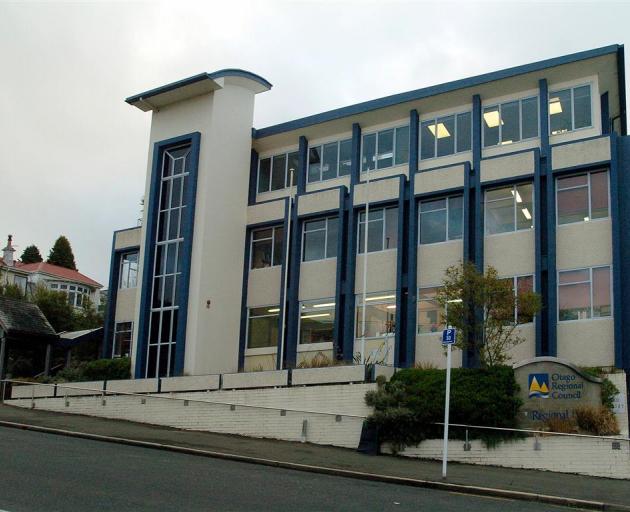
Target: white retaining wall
{"points": [[327, 429], [331, 374], [562, 454], [255, 379]]}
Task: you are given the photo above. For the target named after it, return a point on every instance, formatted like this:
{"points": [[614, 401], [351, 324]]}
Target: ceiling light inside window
{"points": [[555, 107], [491, 118], [586, 219], [526, 213], [274, 310], [318, 315], [442, 131], [324, 305], [393, 306], [380, 297]]}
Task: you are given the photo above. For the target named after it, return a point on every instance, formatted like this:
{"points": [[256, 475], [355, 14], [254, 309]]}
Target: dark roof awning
{"points": [[22, 320], [69, 339]]}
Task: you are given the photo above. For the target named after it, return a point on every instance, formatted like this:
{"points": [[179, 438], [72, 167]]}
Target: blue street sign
{"points": [[448, 336]]}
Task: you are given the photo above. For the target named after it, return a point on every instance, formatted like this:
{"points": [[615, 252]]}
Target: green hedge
{"points": [[100, 369], [407, 407]]}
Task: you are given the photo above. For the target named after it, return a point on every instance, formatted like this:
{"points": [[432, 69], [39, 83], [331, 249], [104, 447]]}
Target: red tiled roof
{"points": [[57, 271]]}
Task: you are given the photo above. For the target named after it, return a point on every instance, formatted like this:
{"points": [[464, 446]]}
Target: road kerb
{"points": [[428, 484]]}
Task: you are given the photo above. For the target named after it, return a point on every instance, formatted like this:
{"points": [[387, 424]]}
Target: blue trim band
{"points": [[198, 78], [186, 246], [427, 92]]}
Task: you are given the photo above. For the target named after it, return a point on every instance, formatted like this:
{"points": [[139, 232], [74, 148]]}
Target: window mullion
{"points": [[500, 124], [590, 192], [520, 120], [591, 289]]}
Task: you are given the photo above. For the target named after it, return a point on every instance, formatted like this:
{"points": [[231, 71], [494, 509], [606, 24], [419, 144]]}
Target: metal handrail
{"points": [[104, 392], [542, 432]]}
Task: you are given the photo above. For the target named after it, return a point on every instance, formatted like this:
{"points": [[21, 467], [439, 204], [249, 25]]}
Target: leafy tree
{"points": [[11, 291], [31, 255], [55, 307], [61, 254], [88, 317], [482, 309]]}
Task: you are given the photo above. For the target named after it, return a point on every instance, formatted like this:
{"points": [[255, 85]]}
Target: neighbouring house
{"points": [[251, 250], [73, 283]]}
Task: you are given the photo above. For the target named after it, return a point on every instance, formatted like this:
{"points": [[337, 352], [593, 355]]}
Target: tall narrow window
{"points": [[520, 285], [165, 300], [382, 227], [266, 247], [122, 339], [583, 197], [430, 313], [445, 136], [262, 327], [129, 270], [509, 208], [317, 321], [441, 219], [584, 293], [570, 109], [510, 122]]}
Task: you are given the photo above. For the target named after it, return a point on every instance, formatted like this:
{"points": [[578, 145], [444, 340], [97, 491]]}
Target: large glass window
{"points": [[509, 208], [584, 293], [328, 161], [122, 339], [382, 228], [317, 321], [441, 219], [446, 135], [320, 239], [266, 247], [278, 172], [385, 148], [583, 197], [430, 313], [520, 285], [510, 122], [164, 312], [129, 270], [570, 109], [262, 327], [380, 315]]}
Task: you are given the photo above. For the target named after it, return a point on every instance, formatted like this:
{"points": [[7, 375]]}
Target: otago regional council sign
{"points": [[553, 388]]}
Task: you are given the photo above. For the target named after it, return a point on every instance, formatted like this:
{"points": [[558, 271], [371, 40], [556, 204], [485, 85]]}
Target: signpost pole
{"points": [[448, 338]]}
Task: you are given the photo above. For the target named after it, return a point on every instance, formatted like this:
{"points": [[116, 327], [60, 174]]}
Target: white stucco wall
{"points": [[439, 179], [512, 254]]}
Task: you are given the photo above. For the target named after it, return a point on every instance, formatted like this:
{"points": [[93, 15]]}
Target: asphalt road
{"points": [[46, 472]]}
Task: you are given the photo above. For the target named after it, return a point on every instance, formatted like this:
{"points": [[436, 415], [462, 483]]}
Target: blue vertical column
{"points": [[616, 252], [351, 247], [401, 289], [110, 313], [253, 177], [302, 162], [411, 309], [340, 274], [242, 342], [283, 297], [541, 221]]}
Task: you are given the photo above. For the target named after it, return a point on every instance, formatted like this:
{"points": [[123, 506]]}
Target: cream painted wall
{"points": [[320, 185], [434, 259], [384, 173], [511, 254], [527, 349], [587, 342], [260, 362], [265, 212], [318, 279], [381, 273], [126, 305], [584, 244], [439, 179], [381, 190], [443, 161], [127, 238], [429, 351], [580, 153], [318, 202], [507, 166], [263, 286]]}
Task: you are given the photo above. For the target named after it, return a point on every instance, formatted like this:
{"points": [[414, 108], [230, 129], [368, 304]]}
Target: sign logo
{"points": [[538, 385]]}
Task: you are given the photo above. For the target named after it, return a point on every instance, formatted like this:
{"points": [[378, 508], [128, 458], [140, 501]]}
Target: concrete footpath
{"points": [[558, 488]]}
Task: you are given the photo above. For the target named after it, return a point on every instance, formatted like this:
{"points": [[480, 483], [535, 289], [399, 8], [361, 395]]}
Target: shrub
{"points": [[407, 407], [599, 421], [608, 390], [101, 369], [319, 360], [560, 425]]}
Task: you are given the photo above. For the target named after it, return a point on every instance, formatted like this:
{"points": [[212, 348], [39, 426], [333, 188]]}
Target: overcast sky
{"points": [[73, 154]]}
